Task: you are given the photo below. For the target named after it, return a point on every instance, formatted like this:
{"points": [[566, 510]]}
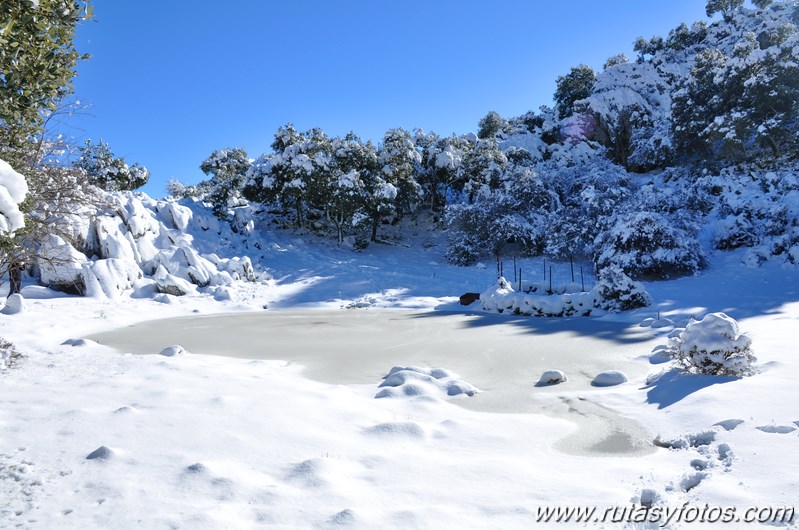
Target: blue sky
{"points": [[171, 81]]}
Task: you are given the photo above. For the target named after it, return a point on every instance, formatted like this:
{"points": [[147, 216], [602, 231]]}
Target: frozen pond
{"points": [[503, 356]]}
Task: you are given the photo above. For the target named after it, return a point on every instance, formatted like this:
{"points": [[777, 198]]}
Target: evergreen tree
{"points": [[227, 169], [109, 172], [481, 168], [490, 125], [400, 162], [572, 87], [725, 7]]}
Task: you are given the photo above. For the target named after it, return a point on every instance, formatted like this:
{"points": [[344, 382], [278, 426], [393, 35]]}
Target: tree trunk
{"points": [[15, 277], [375, 222]]}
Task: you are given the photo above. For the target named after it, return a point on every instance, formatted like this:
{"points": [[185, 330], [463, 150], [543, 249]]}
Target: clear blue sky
{"points": [[171, 81]]}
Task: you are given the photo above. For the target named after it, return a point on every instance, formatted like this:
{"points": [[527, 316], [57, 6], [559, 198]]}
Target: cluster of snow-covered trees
{"points": [[640, 166]]}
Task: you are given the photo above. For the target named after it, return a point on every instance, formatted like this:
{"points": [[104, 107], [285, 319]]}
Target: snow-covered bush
{"points": [[8, 354], [619, 292], [613, 292], [713, 346], [645, 245], [13, 190]]}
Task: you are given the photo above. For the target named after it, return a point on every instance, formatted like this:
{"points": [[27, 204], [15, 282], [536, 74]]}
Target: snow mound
{"points": [[552, 377], [713, 346], [407, 429], [687, 441], [13, 189], [15, 304], [610, 378], [176, 350], [411, 381]]}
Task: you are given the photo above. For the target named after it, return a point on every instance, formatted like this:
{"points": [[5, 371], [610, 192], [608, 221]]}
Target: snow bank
{"points": [[411, 381], [13, 189], [614, 291], [714, 346]]}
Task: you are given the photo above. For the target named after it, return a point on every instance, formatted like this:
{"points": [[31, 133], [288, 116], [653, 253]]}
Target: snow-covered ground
{"points": [[272, 418]]}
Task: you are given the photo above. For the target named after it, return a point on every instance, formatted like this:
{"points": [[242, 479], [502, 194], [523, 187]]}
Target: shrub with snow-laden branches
{"points": [[713, 346]]}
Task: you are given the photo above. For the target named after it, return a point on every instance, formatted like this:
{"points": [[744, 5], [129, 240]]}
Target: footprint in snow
{"points": [[776, 429], [728, 425]]}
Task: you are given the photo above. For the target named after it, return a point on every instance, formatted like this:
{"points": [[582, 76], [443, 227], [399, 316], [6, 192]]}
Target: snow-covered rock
{"points": [[176, 350], [610, 378], [713, 345], [552, 377], [14, 304], [61, 265], [167, 283], [109, 277], [13, 189]]}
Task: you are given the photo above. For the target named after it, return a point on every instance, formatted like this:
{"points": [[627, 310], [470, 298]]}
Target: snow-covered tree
{"points": [[354, 168], [725, 7], [109, 172], [572, 87], [490, 125], [399, 160], [296, 175], [440, 165], [481, 167], [227, 169]]}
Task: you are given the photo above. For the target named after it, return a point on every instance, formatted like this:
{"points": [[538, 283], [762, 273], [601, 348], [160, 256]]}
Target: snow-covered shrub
{"points": [[645, 245], [8, 354], [713, 346], [619, 292], [13, 189], [734, 231]]}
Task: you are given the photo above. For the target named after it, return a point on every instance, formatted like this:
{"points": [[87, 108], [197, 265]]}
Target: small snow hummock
{"points": [[414, 381], [552, 377], [14, 304], [610, 378], [176, 350], [713, 346]]}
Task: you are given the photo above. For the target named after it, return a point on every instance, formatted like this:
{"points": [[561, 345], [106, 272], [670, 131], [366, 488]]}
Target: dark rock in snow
{"points": [[469, 298], [101, 453]]}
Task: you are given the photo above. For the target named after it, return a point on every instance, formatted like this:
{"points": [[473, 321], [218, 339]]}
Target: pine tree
{"points": [[725, 7], [400, 163], [572, 87], [228, 169]]}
